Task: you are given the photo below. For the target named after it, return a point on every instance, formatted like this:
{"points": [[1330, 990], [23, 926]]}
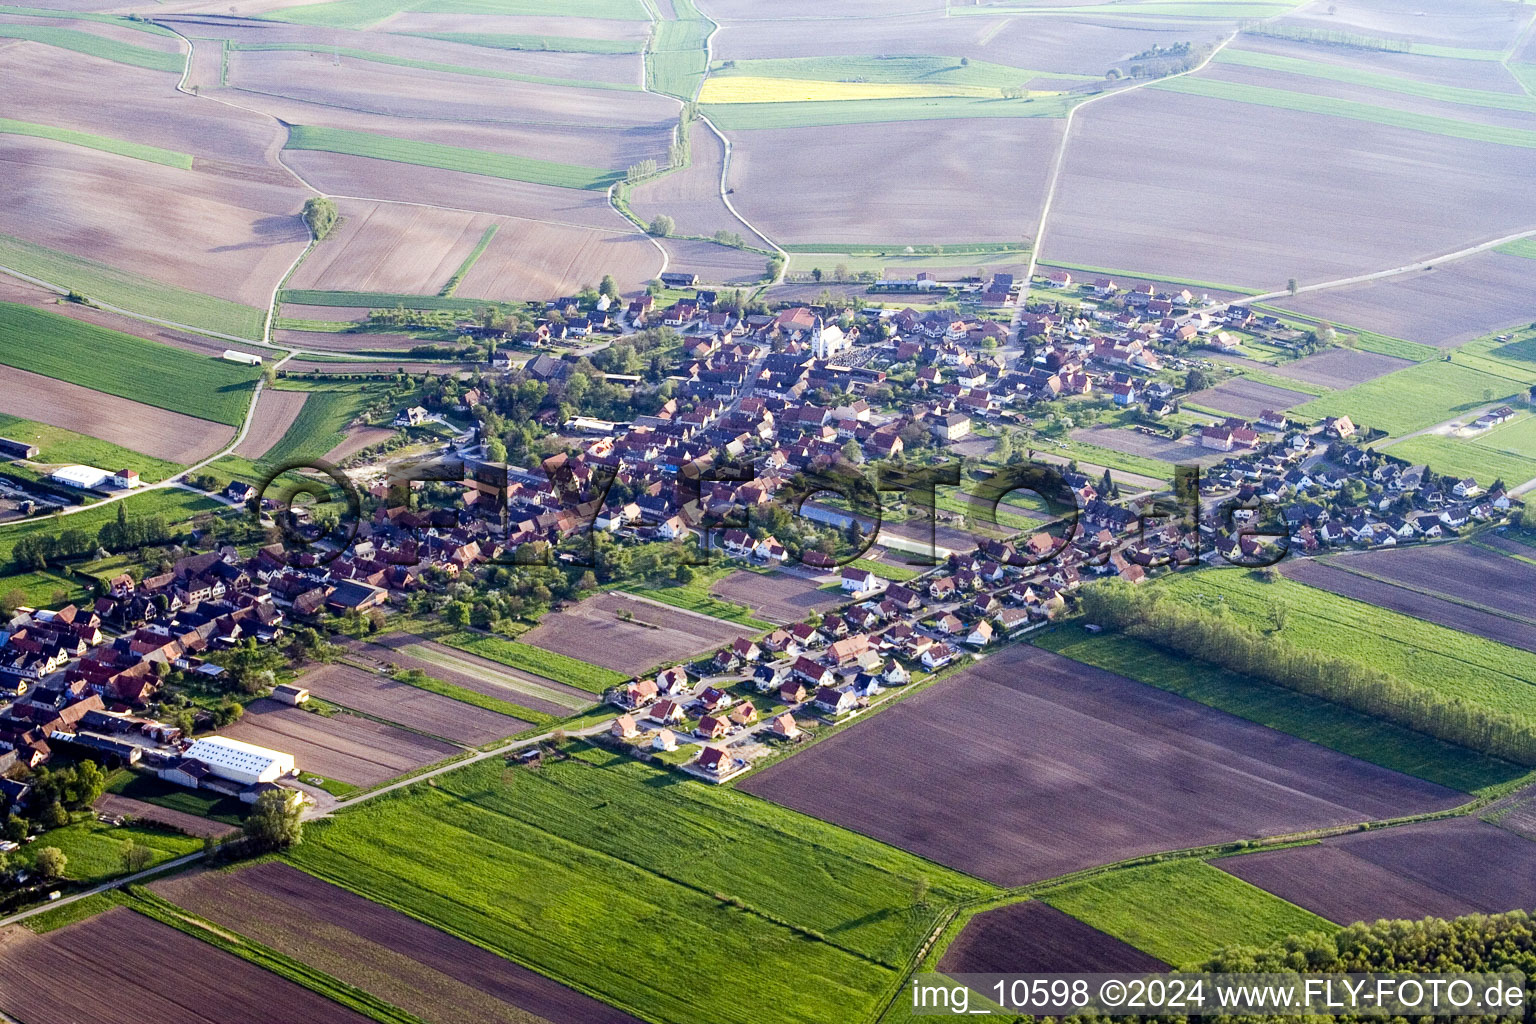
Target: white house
{"points": [[861, 582]]}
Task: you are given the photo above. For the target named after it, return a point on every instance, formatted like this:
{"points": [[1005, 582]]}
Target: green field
{"points": [[885, 570], [120, 20], [95, 850], [634, 885], [427, 65], [1505, 453], [99, 282], [380, 300], [562, 669], [1183, 911], [319, 426], [1489, 674], [1377, 80], [1224, 9], [100, 143], [1297, 714], [902, 70], [93, 45], [1412, 398], [57, 445], [546, 44], [1312, 104], [695, 597], [1525, 247], [121, 364], [450, 158], [39, 588], [361, 13], [174, 504], [752, 116], [675, 60], [201, 802]]}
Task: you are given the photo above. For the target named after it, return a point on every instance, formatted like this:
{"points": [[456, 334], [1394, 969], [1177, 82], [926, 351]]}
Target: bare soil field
{"points": [[1035, 936], [927, 181], [1183, 451], [358, 438], [1447, 306], [602, 125], [1042, 44], [275, 413], [528, 259], [472, 672], [339, 174], [777, 597], [342, 747], [408, 964], [714, 263], [519, 25], [1486, 75], [158, 433], [211, 234], [378, 695], [191, 824], [1435, 869], [655, 633], [389, 247], [1330, 198], [1429, 582], [212, 986], [1248, 398], [336, 314], [125, 102], [360, 342], [1340, 367], [1474, 24], [1027, 766], [691, 196]]}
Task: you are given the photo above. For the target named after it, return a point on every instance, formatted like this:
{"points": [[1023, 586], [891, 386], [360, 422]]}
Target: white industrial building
{"points": [[89, 478], [243, 358], [244, 763]]}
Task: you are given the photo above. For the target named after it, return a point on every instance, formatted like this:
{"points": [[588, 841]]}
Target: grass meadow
{"points": [[550, 665], [175, 505], [427, 65], [93, 45], [1412, 398], [1183, 911]]}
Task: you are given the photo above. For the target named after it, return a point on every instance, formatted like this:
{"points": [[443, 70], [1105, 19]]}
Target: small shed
{"points": [[287, 693]]}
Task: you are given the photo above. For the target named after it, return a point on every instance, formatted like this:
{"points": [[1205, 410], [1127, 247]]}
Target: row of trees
{"points": [[1223, 641], [123, 534]]}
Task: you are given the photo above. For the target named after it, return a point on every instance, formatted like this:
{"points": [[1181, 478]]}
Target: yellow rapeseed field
{"points": [[747, 89]]}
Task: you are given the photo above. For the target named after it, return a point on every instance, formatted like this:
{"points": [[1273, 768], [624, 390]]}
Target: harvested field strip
{"points": [[275, 414], [559, 667], [121, 288], [908, 70], [1376, 80], [464, 695], [445, 659], [1033, 936], [1491, 675], [361, 13], [1183, 911], [123, 365], [119, 20], [142, 901], [742, 89], [57, 446], [1311, 104], [400, 959], [886, 570], [819, 952], [1140, 276], [751, 116], [210, 986], [1412, 399], [1466, 458], [1296, 714], [376, 300], [417, 708], [427, 65], [546, 44], [1525, 247], [469, 262], [450, 158], [93, 45], [675, 60], [1439, 868]]}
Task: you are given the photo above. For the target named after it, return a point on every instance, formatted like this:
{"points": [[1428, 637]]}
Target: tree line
{"points": [[123, 534], [1222, 641]]}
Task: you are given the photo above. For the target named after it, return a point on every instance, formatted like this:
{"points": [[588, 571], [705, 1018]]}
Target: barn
{"points": [[244, 763]]}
